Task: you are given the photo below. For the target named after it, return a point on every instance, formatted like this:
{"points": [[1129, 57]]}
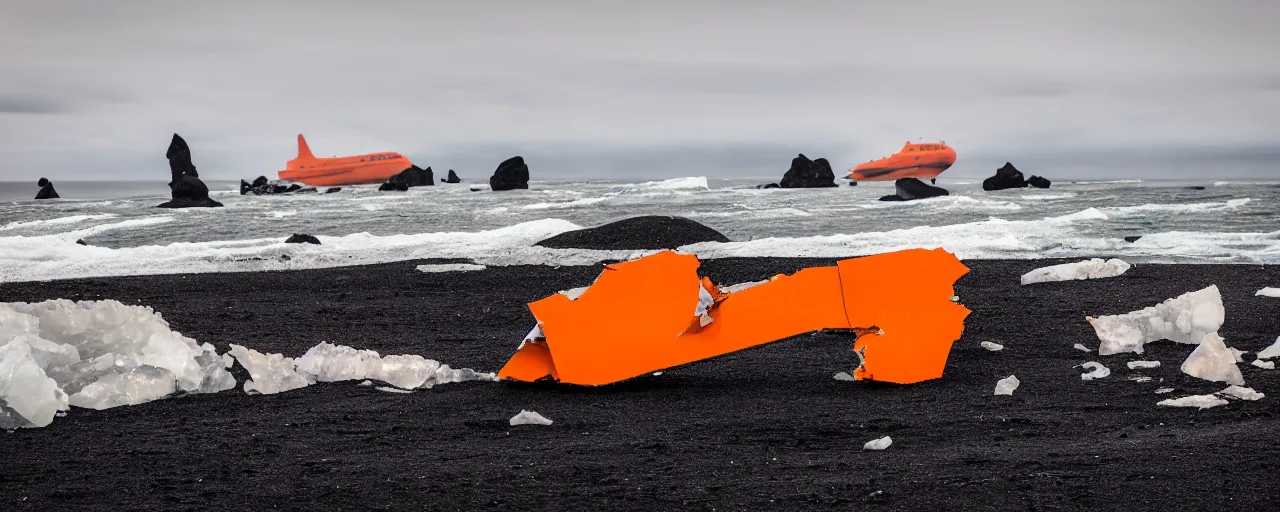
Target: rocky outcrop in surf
{"points": [[1008, 176], [185, 187], [453, 178], [510, 175], [414, 176], [46, 189], [805, 173], [262, 186], [302, 238], [910, 189], [637, 233]]}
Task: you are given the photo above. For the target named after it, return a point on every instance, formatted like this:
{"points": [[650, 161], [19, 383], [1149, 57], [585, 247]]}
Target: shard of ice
{"points": [[1200, 401], [1271, 351], [327, 362], [1184, 319], [1265, 365], [1268, 292], [104, 354], [1213, 361], [28, 397], [1096, 371], [992, 346], [1134, 365], [1095, 268], [269, 373], [1082, 348], [878, 444], [1242, 393], [1162, 391], [843, 376], [527, 417], [1007, 385]]}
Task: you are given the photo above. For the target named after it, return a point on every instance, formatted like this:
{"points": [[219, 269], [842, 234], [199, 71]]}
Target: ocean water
{"points": [[1231, 222]]}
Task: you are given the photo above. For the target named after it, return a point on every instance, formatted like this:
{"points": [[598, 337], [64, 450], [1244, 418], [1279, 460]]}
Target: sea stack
{"points": [[1038, 182], [411, 177], [1007, 176], [510, 175], [805, 173], [910, 189], [46, 189], [453, 178], [184, 184]]}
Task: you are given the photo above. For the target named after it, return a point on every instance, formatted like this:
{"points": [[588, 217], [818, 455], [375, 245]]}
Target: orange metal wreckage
{"points": [[652, 313], [343, 170]]}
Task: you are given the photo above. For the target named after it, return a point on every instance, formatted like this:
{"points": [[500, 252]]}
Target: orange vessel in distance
{"points": [[925, 160], [342, 170]]}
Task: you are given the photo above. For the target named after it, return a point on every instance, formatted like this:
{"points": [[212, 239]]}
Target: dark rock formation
{"points": [[637, 233], [453, 178], [332, 190], [805, 173], [1195, 187], [769, 185], [81, 242], [1006, 176], [184, 184], [414, 176], [910, 189], [510, 175], [853, 183], [1132, 239], [262, 186], [46, 189], [1038, 182], [300, 238]]}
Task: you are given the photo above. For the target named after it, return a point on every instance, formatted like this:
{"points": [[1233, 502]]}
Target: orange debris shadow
{"points": [[652, 313]]}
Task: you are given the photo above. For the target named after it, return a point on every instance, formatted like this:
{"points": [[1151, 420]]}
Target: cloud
{"points": [[30, 104]]}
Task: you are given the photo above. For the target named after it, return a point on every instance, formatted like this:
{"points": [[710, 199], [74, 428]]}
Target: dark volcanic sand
{"points": [[766, 428]]}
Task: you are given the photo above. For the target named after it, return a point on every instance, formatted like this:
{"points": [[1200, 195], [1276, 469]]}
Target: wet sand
{"points": [[762, 429]]}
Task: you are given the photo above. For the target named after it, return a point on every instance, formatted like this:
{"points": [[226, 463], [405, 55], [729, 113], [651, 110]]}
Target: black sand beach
{"points": [[762, 429]]}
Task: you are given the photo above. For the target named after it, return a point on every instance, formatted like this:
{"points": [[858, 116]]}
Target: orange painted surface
{"points": [[343, 170], [926, 160], [638, 317]]}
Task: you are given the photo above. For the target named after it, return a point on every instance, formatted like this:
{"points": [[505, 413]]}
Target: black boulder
{"points": [[1132, 238], [637, 233], [510, 175], [1038, 182], [332, 190], [185, 187], [1006, 176], [769, 185], [453, 178], [300, 238], [805, 173], [46, 189], [910, 189], [414, 176]]}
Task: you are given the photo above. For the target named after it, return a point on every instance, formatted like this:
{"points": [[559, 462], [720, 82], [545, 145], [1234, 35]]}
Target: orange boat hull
{"points": [[339, 171], [925, 161]]}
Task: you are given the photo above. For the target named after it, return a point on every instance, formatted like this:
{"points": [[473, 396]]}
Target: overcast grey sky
{"points": [[660, 88]]}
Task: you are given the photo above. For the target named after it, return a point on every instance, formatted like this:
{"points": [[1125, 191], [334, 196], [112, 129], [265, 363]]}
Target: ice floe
{"points": [[1268, 292], [992, 346], [1271, 351], [1162, 391], [1213, 361], [95, 354], [1183, 319], [1242, 393], [1096, 268], [1265, 365], [327, 362], [1198, 401], [878, 444], [1096, 371], [1133, 365], [527, 417], [1007, 385]]}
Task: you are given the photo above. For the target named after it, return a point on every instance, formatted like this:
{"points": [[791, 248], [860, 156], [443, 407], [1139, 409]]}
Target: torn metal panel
{"points": [[655, 312]]}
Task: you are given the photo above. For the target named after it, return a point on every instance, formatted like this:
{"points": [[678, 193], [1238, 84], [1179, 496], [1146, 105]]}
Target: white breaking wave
{"points": [[60, 221], [564, 204], [698, 182], [1177, 208], [769, 213], [1048, 197]]}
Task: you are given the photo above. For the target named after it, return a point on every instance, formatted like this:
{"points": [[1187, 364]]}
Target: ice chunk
{"points": [[1271, 351], [1213, 361], [28, 397], [1133, 365], [1095, 268], [327, 362], [992, 346], [1140, 378], [1007, 385], [1098, 371], [1237, 354], [135, 386], [393, 390], [1162, 391], [843, 376], [1268, 292], [527, 417], [269, 373], [1242, 393], [450, 267], [1201, 401], [734, 288], [1184, 319], [1265, 365], [878, 444], [365, 383], [574, 293], [1082, 348]]}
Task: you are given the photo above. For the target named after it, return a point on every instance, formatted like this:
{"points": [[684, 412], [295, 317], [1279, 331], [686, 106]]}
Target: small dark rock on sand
{"points": [[300, 238], [637, 233]]}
